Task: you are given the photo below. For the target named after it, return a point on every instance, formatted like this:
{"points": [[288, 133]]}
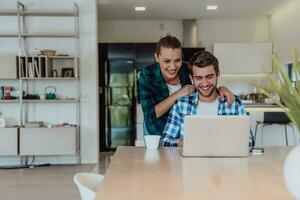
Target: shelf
{"points": [[37, 13], [245, 75], [50, 78], [8, 35], [51, 101], [62, 35], [8, 13], [61, 57], [48, 14], [27, 68], [9, 101], [260, 105], [55, 35], [8, 79]]}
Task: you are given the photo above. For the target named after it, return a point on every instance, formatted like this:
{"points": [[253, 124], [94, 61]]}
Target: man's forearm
{"points": [[168, 141]]}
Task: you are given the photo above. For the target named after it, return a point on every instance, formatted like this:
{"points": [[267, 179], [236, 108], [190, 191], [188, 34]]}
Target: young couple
{"points": [[167, 95]]}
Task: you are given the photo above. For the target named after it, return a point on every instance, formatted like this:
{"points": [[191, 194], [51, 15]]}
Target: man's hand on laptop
{"points": [[180, 143]]}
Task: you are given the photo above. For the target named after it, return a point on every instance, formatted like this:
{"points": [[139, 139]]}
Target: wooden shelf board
{"points": [[38, 13], [48, 14], [9, 101], [63, 35], [8, 13], [51, 101], [62, 57], [8, 35], [50, 78]]}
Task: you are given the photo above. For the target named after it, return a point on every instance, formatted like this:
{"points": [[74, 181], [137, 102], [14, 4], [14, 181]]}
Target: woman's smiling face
{"points": [[170, 61]]}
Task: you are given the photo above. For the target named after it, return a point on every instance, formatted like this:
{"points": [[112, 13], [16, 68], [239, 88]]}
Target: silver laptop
{"points": [[216, 136]]}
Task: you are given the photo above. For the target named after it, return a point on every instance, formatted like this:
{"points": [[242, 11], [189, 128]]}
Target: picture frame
{"points": [[67, 72]]}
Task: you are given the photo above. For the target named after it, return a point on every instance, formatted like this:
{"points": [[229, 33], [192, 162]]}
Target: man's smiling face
{"points": [[205, 80]]}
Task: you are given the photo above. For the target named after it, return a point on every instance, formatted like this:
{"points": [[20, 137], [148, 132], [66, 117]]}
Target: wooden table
{"points": [[139, 174]]}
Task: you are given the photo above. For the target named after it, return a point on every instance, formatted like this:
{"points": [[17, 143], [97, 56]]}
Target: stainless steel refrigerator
{"points": [[118, 97], [120, 101]]}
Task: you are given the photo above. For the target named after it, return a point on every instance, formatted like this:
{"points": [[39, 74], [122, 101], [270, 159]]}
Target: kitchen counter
{"points": [[263, 107]]}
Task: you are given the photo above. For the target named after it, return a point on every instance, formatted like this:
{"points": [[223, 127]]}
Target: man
{"points": [[204, 72]]}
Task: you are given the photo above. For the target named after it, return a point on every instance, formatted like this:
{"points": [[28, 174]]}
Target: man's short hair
{"points": [[167, 41], [203, 59]]}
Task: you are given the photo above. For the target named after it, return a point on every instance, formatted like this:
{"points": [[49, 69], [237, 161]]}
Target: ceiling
{"points": [[185, 9]]}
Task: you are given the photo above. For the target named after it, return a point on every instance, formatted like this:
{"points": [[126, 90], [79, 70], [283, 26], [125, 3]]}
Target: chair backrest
{"points": [[88, 184], [276, 117]]}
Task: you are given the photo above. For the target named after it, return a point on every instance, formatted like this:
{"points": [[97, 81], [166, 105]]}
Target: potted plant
{"points": [[290, 103]]}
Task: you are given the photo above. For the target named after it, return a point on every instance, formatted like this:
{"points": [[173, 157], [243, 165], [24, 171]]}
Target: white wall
{"points": [[209, 30], [232, 30], [88, 58], [138, 30], [285, 29], [88, 31]]}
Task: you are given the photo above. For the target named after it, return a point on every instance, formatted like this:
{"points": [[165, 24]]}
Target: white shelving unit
{"points": [[43, 141]]}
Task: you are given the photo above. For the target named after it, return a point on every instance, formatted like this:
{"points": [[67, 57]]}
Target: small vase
{"points": [[292, 172]]}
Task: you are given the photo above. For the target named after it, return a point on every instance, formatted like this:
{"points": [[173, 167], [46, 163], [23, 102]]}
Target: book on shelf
{"points": [[26, 68], [22, 68], [30, 70], [36, 70]]}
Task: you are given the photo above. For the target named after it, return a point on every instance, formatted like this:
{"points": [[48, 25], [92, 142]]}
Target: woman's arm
{"points": [[225, 92], [162, 107]]}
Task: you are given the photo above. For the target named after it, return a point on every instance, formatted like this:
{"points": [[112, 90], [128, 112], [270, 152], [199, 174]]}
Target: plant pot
{"points": [[291, 171]]}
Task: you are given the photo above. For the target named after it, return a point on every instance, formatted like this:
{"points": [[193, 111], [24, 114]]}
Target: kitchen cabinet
{"points": [[48, 141], [244, 58], [8, 67], [8, 141]]}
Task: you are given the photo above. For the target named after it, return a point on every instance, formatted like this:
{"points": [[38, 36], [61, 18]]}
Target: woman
{"points": [[162, 83]]}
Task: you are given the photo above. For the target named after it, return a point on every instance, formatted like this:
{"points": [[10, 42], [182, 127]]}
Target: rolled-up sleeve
{"points": [[147, 94]]}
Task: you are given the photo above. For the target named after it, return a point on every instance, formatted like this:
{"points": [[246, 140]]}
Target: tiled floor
{"points": [[46, 183]]}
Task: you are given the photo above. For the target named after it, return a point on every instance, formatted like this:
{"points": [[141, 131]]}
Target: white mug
{"points": [[152, 141]]}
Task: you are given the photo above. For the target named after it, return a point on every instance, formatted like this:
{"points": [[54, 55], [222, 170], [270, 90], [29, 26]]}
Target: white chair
{"points": [[88, 184]]}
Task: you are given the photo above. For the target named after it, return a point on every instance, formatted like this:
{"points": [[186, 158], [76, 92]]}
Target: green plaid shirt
{"points": [[152, 90]]}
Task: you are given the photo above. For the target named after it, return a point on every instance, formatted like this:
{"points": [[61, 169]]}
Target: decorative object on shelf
{"points": [[50, 93], [290, 103], [31, 97], [36, 52], [54, 73], [67, 72], [6, 93], [42, 96], [48, 52], [34, 124], [63, 54]]}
